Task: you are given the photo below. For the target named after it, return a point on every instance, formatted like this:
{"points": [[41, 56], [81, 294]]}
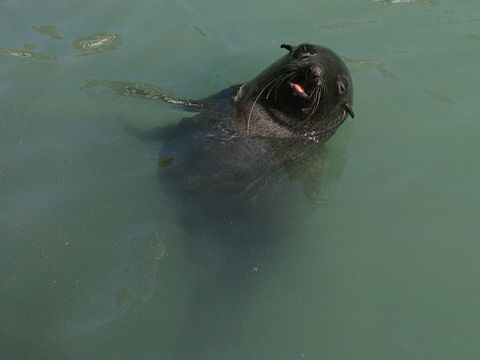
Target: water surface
{"points": [[95, 265]]}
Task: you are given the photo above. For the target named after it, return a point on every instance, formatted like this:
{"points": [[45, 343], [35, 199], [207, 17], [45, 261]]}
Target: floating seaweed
{"points": [[27, 51], [97, 43], [48, 30], [139, 90]]}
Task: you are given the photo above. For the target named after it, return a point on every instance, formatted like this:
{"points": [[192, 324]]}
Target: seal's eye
{"points": [[342, 85]]}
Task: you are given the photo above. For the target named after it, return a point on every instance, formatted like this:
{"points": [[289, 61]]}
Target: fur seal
{"points": [[258, 135], [236, 173], [306, 93]]}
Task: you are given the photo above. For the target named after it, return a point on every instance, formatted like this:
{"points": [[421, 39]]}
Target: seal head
{"points": [[307, 92]]}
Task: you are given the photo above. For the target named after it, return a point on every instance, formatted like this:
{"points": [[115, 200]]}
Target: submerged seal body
{"points": [[260, 135], [237, 172]]}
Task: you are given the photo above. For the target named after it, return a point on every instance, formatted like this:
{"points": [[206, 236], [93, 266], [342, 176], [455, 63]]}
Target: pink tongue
{"points": [[298, 88]]}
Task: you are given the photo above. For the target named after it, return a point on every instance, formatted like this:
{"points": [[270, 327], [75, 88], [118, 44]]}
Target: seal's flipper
{"points": [[308, 172], [144, 91]]}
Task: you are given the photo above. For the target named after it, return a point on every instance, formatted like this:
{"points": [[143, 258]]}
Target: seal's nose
{"points": [[316, 71], [315, 74]]}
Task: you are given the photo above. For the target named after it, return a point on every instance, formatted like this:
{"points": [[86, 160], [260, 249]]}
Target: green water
{"points": [[94, 265]]}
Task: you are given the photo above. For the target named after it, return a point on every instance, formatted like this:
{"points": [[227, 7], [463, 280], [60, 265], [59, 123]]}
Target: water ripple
{"points": [[362, 65], [419, 2]]}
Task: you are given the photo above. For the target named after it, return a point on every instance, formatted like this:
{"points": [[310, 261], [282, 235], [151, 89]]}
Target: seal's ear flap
{"points": [[288, 47], [349, 110]]}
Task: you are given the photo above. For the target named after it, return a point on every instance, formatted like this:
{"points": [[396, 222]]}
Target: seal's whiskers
{"points": [[255, 102]]}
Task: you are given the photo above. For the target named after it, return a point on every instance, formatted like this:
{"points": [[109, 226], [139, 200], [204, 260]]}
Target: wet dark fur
{"points": [[249, 142], [241, 175]]}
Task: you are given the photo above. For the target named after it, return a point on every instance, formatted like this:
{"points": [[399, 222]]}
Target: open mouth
{"points": [[298, 90], [305, 90], [302, 91], [306, 82], [302, 95]]}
